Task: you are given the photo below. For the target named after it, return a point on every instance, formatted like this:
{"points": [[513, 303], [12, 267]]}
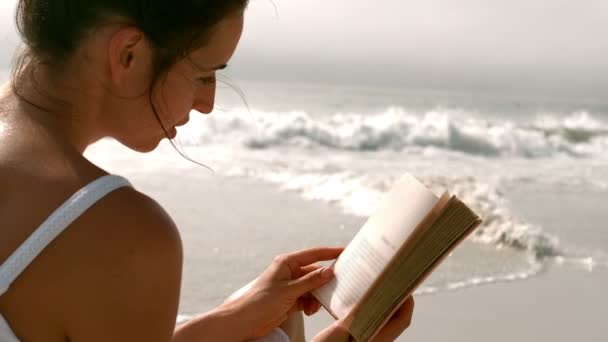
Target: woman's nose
{"points": [[203, 107], [205, 100]]}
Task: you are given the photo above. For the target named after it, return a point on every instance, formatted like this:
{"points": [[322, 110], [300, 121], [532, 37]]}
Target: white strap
{"points": [[6, 334], [61, 218]]}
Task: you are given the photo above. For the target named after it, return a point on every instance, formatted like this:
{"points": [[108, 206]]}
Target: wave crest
{"points": [[396, 129], [359, 195]]}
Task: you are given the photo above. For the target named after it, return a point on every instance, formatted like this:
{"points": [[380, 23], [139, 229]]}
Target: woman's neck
{"points": [[66, 122]]}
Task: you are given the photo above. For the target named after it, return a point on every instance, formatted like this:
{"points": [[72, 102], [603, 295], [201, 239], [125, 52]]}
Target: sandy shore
{"points": [[232, 228], [561, 305]]}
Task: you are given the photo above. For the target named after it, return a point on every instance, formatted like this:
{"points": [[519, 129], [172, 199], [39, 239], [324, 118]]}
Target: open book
{"points": [[411, 232]]}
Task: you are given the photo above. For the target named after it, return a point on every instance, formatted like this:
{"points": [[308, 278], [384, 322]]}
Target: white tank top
{"points": [[61, 218], [67, 213]]}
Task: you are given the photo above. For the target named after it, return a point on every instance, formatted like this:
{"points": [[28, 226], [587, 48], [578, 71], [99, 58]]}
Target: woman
{"points": [[131, 70]]}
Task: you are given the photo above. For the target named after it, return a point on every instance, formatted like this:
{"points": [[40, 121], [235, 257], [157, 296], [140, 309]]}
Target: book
{"points": [[406, 238]]}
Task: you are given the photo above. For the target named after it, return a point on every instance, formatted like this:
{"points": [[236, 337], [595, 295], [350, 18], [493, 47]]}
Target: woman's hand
{"points": [[283, 288], [400, 321]]}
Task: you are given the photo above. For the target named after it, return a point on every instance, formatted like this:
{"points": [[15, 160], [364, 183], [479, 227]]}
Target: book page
{"points": [[407, 203]]}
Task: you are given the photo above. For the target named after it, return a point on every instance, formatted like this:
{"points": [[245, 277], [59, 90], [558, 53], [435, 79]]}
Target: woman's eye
{"points": [[207, 80]]}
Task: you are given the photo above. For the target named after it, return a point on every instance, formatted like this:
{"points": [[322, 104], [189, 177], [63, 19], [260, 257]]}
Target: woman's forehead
{"points": [[221, 44]]}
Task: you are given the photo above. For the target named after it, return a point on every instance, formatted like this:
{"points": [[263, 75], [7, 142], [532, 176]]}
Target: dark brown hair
{"points": [[53, 29]]}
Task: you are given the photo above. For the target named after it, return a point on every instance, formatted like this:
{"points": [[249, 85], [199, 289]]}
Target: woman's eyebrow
{"points": [[204, 67], [218, 67]]}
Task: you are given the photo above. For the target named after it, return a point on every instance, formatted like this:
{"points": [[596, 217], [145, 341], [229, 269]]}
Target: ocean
{"points": [[534, 168]]}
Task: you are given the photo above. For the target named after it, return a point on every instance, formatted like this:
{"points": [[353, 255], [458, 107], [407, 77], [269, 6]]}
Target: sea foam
{"points": [[360, 194], [397, 129]]}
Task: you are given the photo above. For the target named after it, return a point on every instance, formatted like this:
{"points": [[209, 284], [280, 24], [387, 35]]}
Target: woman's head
{"points": [[143, 62]]}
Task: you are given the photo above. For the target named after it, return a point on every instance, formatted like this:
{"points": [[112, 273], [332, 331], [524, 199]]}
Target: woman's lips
{"points": [[173, 131], [182, 123]]}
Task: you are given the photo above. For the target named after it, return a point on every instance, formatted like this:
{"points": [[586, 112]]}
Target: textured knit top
{"points": [[67, 213], [61, 218]]}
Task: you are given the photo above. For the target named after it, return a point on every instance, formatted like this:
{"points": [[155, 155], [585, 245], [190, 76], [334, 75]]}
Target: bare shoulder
{"points": [[127, 275]]}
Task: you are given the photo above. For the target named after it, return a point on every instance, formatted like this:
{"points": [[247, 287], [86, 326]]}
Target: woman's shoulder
{"points": [[123, 217], [124, 225], [127, 218], [134, 226], [121, 257], [130, 270]]}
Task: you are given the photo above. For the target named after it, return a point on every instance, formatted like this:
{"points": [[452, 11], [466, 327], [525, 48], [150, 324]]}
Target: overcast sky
{"points": [[552, 45]]}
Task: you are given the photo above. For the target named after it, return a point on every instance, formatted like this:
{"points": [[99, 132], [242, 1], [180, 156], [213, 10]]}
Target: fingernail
{"points": [[327, 272]]}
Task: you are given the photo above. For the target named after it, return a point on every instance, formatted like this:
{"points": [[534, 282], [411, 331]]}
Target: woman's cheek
{"points": [[179, 108]]}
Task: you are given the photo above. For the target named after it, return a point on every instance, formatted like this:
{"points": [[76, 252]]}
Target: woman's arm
{"points": [[219, 324], [265, 303], [126, 287], [400, 321], [125, 279]]}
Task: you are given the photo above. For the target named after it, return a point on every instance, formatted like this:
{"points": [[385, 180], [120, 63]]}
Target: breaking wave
{"points": [[577, 135], [359, 195]]}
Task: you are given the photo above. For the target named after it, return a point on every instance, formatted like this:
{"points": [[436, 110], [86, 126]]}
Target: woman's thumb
{"points": [[311, 281]]}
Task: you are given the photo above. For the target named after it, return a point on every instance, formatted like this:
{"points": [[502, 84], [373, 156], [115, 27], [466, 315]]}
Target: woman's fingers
{"points": [[311, 281], [309, 268], [314, 306], [407, 310], [304, 270], [400, 321], [335, 332], [294, 261], [300, 272], [309, 304]]}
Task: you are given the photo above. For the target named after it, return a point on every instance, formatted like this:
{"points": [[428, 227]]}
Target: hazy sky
{"points": [[492, 44]]}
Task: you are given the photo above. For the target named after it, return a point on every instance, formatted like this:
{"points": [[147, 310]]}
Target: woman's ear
{"points": [[130, 59]]}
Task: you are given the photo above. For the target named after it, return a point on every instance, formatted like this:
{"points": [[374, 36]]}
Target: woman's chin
{"points": [[143, 146], [172, 133]]}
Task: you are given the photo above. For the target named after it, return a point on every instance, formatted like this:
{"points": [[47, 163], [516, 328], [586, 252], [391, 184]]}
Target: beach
{"points": [[305, 165], [321, 111], [232, 227]]}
